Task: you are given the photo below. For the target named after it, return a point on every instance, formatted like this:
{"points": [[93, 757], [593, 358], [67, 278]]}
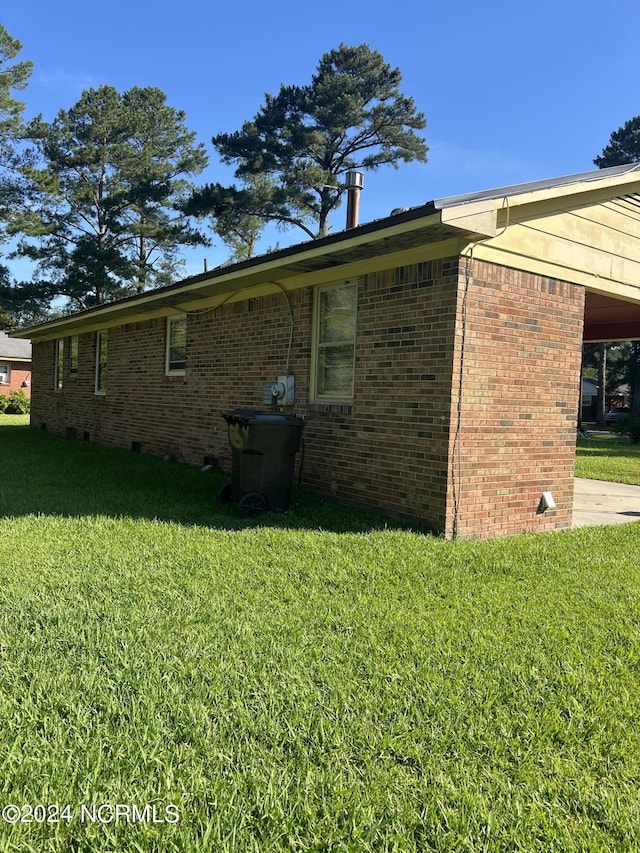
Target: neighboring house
{"points": [[619, 398], [15, 365], [436, 352], [589, 399]]}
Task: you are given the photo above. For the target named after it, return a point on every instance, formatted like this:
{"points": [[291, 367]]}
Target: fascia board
{"points": [[607, 179], [559, 197]]}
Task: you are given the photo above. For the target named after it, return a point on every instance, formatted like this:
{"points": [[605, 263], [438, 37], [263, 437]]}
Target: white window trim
{"points": [[73, 371], [58, 366], [100, 335], [316, 396], [8, 374], [168, 371]]}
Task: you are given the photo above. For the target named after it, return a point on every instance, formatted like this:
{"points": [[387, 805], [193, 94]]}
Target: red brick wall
{"points": [[520, 389], [390, 449]]}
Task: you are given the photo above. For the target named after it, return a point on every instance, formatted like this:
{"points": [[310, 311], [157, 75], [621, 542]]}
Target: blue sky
{"points": [[513, 90]]}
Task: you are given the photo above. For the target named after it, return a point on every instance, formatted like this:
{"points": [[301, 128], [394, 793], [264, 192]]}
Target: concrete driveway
{"points": [[600, 502]]}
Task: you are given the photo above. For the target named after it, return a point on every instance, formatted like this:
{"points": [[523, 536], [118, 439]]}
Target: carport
{"points": [[607, 319]]}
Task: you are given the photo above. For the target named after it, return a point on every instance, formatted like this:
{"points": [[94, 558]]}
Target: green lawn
{"points": [[608, 457], [291, 688]]}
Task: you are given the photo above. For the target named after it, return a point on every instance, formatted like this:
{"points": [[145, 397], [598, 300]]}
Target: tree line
{"points": [[103, 198], [612, 366]]}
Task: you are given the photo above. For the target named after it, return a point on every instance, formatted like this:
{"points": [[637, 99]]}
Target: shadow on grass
{"points": [[43, 474], [607, 445]]}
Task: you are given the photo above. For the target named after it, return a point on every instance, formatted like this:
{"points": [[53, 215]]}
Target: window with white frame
{"points": [[5, 373], [59, 365], [176, 358], [101, 363], [335, 342], [73, 355]]}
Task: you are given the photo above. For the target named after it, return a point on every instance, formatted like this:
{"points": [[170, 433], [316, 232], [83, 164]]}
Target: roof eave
{"points": [[336, 249], [472, 217]]}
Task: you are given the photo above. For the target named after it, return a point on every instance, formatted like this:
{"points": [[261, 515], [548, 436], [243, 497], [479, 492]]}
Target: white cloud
{"points": [[66, 84]]}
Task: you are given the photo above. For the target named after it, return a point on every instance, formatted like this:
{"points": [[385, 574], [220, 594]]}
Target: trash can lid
{"points": [[252, 416]]}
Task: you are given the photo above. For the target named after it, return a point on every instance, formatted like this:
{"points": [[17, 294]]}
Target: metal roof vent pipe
{"points": [[354, 181]]}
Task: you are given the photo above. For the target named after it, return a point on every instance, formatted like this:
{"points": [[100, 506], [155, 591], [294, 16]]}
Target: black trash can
{"points": [[263, 453]]}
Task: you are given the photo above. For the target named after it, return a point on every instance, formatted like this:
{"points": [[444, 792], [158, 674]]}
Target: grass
{"points": [[291, 688], [608, 457]]}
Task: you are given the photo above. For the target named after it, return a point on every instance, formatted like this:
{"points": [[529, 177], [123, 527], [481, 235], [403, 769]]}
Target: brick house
{"points": [[436, 352], [15, 365]]}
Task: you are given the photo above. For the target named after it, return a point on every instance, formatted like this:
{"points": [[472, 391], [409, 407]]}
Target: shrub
{"points": [[628, 425], [18, 403], [4, 402]]}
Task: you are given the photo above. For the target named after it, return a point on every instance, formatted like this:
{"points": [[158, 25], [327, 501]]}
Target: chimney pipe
{"points": [[354, 182]]}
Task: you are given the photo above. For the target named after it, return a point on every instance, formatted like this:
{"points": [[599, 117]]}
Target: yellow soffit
{"points": [[479, 217], [527, 261]]}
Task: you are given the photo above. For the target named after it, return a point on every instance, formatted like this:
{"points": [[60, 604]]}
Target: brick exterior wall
{"points": [[514, 434], [392, 449]]}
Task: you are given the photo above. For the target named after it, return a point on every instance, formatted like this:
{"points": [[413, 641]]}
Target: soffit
{"points": [[594, 243], [609, 319]]}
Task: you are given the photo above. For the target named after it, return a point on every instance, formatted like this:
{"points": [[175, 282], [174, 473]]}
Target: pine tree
{"points": [[100, 219], [13, 77], [623, 147], [304, 139]]}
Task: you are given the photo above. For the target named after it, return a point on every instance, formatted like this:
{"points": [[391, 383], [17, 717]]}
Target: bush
{"points": [[4, 402], [18, 403], [628, 425]]}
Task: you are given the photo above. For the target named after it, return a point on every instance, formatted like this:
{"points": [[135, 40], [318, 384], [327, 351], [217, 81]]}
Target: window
{"points": [[5, 373], [335, 338], [176, 345], [101, 363], [59, 365], [73, 355]]}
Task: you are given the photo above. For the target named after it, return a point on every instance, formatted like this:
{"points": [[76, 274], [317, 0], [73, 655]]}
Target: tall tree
{"points": [[351, 116], [634, 377], [14, 76], [601, 406], [100, 220], [623, 147], [235, 223], [160, 154], [594, 366]]}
